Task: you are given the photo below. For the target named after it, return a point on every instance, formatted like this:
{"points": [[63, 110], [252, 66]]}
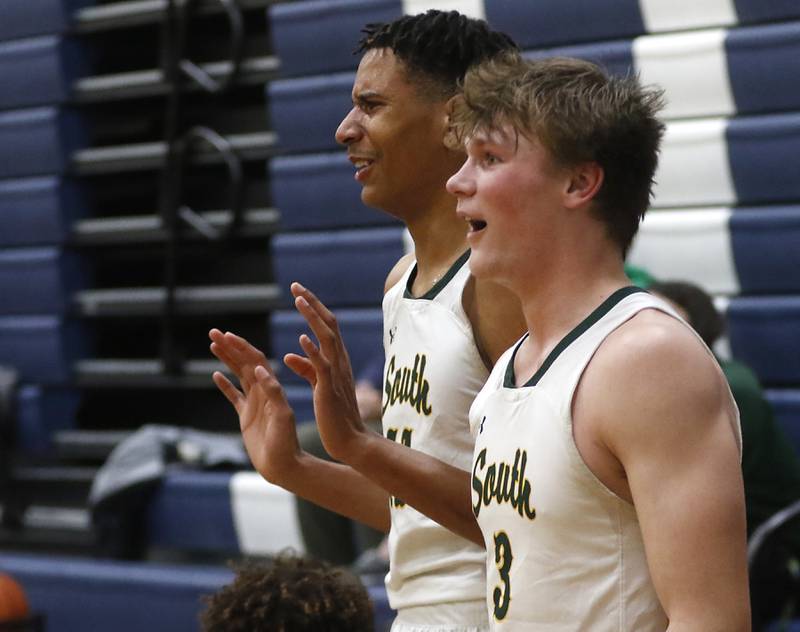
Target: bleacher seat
{"points": [[362, 330], [713, 72], [38, 141], [760, 60], [727, 251], [615, 57], [42, 348], [334, 200], [551, 22], [745, 160], [343, 268], [37, 211], [23, 18], [766, 246], [763, 158], [763, 334], [330, 28], [755, 11], [77, 595], [786, 406], [221, 512], [55, 62], [306, 111], [38, 280], [41, 412]]}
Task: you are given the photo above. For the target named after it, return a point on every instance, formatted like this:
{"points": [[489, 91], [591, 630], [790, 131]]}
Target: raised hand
{"points": [[265, 418], [327, 369]]}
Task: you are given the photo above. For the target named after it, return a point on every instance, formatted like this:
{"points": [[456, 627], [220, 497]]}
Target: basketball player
{"points": [[605, 480], [442, 328]]}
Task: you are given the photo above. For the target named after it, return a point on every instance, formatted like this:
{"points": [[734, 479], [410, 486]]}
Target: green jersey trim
{"points": [[440, 284], [600, 311]]}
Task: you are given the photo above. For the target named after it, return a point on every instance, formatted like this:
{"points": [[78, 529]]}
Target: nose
{"points": [[349, 131], [462, 183]]}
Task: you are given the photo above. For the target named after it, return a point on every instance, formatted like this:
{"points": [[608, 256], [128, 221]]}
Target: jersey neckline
{"points": [[439, 285], [601, 310]]}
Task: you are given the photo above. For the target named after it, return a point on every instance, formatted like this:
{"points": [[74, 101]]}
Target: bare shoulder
{"points": [[653, 380], [398, 271], [496, 317]]}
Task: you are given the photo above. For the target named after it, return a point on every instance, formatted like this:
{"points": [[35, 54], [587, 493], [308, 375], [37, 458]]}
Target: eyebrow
{"points": [[366, 95]]}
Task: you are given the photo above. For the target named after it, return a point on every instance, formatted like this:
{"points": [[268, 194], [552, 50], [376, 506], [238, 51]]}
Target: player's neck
{"points": [[440, 238], [557, 300]]}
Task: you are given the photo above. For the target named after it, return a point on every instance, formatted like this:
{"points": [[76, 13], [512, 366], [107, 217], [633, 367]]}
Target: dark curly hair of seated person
{"points": [[289, 594]]}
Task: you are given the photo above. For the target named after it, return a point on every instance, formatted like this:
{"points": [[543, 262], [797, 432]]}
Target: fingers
{"points": [[317, 305], [329, 338], [270, 386], [233, 395], [301, 366], [319, 362]]}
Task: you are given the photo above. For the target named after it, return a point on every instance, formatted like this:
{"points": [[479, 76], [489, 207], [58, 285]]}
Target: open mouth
{"points": [[476, 225]]}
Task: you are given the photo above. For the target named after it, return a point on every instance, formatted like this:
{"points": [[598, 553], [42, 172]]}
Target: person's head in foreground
{"points": [[290, 594], [410, 70], [557, 149]]}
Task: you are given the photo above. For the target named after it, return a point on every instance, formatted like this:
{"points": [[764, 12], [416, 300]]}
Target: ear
{"points": [[584, 183], [450, 139]]}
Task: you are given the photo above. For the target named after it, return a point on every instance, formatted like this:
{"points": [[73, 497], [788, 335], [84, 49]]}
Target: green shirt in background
{"points": [[770, 465]]}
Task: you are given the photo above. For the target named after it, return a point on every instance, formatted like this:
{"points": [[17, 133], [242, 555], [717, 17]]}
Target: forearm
{"points": [[434, 488], [341, 489], [734, 620]]}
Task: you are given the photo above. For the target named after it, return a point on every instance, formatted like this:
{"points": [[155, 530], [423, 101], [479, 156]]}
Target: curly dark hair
{"points": [[289, 594], [437, 45]]}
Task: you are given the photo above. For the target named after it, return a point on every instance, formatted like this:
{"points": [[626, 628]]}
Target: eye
{"points": [[368, 106], [489, 159]]}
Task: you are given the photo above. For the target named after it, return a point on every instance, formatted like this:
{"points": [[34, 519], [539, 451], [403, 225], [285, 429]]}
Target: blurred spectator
{"points": [[769, 463], [289, 594]]}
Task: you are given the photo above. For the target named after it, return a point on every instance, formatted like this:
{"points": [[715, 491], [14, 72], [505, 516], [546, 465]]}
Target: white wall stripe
{"points": [[263, 515], [693, 168], [693, 70], [472, 8], [722, 347], [688, 245], [676, 15]]}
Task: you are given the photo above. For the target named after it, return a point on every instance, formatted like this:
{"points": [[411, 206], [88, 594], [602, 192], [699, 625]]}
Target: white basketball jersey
{"points": [[433, 372], [565, 554]]}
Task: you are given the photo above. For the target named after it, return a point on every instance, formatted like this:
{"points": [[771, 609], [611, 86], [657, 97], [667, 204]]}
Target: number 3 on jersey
{"points": [[502, 559], [405, 439]]}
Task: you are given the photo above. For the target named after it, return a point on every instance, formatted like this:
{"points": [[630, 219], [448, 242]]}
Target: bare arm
{"points": [[672, 429], [433, 487], [268, 430]]}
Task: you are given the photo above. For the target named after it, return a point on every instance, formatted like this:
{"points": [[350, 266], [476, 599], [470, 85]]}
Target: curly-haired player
{"points": [[443, 329], [289, 594]]}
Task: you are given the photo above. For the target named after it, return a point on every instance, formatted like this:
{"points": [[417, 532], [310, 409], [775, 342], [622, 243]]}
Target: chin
{"points": [[478, 266]]}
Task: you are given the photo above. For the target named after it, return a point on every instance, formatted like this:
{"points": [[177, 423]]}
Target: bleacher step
{"points": [[125, 14], [146, 156], [94, 445], [144, 373], [258, 222], [149, 301], [145, 83], [57, 485]]}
